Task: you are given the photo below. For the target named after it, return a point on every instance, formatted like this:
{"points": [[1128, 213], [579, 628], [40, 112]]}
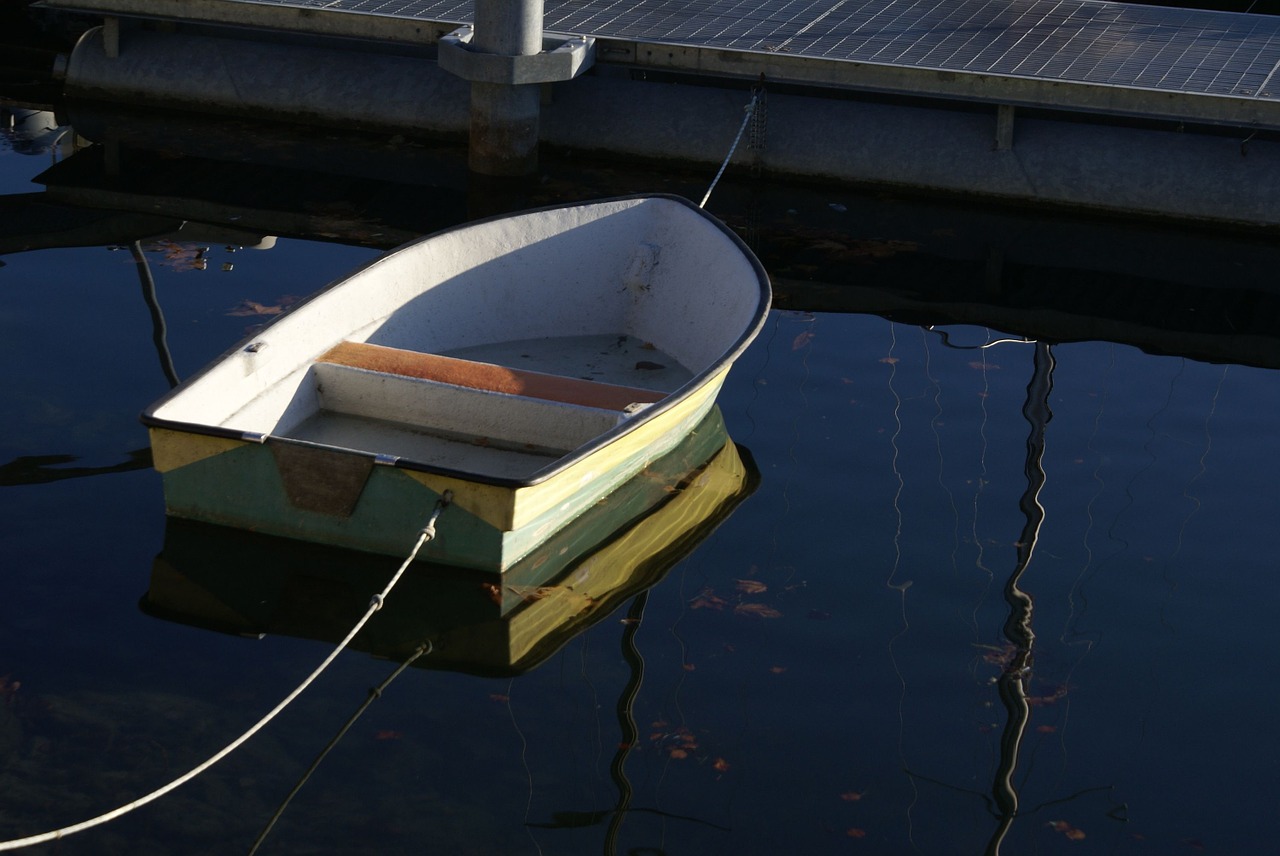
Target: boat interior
{"points": [[476, 415], [495, 349]]}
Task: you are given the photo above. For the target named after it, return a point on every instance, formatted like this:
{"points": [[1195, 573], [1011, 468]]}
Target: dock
{"points": [[1111, 107]]}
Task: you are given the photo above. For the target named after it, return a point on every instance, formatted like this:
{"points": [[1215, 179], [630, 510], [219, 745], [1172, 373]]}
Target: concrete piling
{"points": [[504, 116]]}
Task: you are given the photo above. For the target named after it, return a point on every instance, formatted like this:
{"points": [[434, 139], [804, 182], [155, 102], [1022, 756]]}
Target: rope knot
{"points": [[428, 532]]}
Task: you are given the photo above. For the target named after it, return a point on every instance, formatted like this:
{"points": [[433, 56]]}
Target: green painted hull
{"points": [[250, 487]]}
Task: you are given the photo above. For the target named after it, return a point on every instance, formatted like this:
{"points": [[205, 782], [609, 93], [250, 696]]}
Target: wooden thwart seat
{"points": [[488, 377]]}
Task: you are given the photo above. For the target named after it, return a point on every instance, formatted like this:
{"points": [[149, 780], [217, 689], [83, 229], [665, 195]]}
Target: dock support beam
{"points": [[507, 58], [504, 117], [1004, 128], [111, 36]]}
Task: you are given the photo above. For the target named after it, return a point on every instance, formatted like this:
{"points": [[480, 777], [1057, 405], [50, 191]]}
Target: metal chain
{"points": [[759, 128]]}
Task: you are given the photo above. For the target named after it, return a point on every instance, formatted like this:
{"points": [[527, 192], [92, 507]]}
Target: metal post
{"points": [[504, 116]]}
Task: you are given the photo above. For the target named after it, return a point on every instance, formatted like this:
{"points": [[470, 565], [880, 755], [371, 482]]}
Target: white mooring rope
{"points": [[750, 109], [428, 532]]}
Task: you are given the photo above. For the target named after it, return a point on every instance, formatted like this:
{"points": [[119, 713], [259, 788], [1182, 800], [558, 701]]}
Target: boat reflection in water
{"points": [[483, 623]]}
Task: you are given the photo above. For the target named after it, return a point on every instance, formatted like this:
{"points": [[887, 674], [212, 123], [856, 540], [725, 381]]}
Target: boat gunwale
{"points": [[650, 413]]}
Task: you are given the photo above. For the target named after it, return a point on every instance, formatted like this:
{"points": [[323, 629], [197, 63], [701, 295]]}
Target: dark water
{"points": [[1016, 598]]}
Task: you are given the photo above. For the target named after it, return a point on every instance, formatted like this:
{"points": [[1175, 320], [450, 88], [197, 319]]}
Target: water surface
{"points": [[989, 595]]}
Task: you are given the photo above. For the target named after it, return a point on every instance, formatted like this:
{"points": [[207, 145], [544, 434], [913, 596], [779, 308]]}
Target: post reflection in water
{"points": [[1018, 629]]}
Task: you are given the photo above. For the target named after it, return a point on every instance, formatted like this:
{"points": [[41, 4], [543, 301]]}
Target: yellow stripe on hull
{"points": [[585, 480], [171, 450]]}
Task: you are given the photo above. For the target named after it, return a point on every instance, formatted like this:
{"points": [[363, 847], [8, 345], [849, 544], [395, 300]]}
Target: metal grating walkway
{"points": [[1077, 54], [1118, 44]]}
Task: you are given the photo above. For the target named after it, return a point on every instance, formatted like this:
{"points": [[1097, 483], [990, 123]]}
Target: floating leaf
{"points": [[720, 765], [777, 670], [707, 600], [531, 593], [751, 586], [979, 365], [855, 832], [1001, 656], [178, 256], [759, 610], [1046, 729], [678, 753], [387, 734], [890, 361], [1052, 698], [1071, 832], [499, 697], [565, 594], [246, 308], [852, 796], [802, 340]]}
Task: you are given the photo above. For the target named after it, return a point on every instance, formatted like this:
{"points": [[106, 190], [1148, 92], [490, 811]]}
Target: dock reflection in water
{"points": [[133, 175]]}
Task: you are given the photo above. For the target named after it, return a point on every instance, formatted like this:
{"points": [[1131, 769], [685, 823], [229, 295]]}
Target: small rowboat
{"points": [[527, 365]]}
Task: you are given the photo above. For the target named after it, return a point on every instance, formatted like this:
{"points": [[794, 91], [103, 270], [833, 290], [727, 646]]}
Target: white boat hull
{"points": [[527, 364]]}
